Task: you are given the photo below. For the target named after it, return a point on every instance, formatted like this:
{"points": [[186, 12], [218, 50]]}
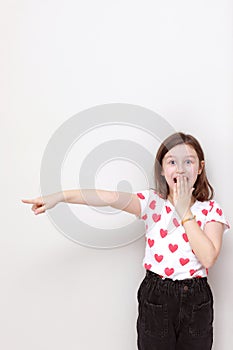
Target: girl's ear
{"points": [[202, 164]]}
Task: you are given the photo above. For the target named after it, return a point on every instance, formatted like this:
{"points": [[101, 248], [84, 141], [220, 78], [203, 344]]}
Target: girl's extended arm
{"points": [[120, 200]]}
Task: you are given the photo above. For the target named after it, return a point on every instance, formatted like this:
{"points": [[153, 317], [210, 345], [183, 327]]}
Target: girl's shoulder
{"points": [[149, 199], [148, 193], [210, 205], [210, 211]]}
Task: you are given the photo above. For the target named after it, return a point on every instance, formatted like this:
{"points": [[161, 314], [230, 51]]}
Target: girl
{"points": [[184, 228]]}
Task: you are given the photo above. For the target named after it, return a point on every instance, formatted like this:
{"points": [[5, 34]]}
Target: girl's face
{"points": [[181, 160]]}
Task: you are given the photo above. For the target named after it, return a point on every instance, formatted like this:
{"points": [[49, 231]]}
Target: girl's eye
{"points": [[188, 161], [172, 162]]}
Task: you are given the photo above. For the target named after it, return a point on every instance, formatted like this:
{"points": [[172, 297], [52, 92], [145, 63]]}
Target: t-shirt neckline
{"points": [[170, 203]]}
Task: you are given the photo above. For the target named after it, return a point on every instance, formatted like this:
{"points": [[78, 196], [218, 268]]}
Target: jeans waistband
{"points": [[191, 282]]}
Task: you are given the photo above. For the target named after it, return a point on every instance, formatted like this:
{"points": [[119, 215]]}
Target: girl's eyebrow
{"points": [[188, 156]]}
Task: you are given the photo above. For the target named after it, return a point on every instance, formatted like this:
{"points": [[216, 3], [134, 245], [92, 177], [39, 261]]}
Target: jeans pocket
{"points": [[155, 319], [201, 322]]}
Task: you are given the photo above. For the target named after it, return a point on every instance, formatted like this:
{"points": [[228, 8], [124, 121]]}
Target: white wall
{"points": [[59, 58]]}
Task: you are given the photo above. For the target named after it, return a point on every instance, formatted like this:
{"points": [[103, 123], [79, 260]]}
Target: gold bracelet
{"points": [[189, 219]]}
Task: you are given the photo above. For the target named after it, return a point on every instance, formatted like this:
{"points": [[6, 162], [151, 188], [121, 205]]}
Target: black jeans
{"points": [[174, 315]]}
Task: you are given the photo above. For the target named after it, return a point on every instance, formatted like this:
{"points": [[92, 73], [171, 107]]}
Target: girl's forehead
{"points": [[181, 151]]}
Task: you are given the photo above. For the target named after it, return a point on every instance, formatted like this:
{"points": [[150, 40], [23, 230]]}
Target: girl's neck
{"points": [[170, 198]]}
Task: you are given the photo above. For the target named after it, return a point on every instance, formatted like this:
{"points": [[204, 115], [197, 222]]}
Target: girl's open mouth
{"points": [[175, 179]]}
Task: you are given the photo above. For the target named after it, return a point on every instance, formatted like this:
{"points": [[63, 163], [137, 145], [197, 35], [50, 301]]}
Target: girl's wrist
{"points": [[190, 218], [187, 215]]}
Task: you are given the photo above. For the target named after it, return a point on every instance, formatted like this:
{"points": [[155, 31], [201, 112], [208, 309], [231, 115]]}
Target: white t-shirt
{"points": [[168, 252]]}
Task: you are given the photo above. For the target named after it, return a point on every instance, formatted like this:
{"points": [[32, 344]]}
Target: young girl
{"points": [[184, 228]]}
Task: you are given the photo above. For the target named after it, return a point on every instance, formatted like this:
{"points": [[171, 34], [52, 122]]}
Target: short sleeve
{"points": [[143, 197], [215, 213]]}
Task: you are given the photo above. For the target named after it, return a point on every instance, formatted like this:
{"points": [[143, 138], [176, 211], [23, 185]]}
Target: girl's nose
{"points": [[179, 169]]}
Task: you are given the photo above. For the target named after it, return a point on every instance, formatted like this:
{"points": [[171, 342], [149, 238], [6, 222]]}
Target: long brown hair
{"points": [[203, 190]]}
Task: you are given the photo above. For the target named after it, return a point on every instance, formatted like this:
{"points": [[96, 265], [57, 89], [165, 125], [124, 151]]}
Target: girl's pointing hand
{"points": [[41, 204]]}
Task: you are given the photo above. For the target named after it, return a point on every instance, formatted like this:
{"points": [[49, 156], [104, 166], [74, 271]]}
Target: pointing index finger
{"points": [[29, 201]]}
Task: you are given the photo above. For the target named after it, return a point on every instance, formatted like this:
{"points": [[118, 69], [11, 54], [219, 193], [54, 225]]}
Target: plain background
{"points": [[59, 58]]}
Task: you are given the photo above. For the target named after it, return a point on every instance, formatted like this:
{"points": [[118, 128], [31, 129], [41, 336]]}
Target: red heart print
{"points": [[152, 204], [199, 223], [168, 271], [156, 217], [184, 261], [148, 266], [219, 211], [163, 233], [192, 272], [151, 242], [168, 209], [172, 247], [158, 258], [185, 237], [175, 222], [211, 204], [140, 195], [144, 217], [204, 211]]}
